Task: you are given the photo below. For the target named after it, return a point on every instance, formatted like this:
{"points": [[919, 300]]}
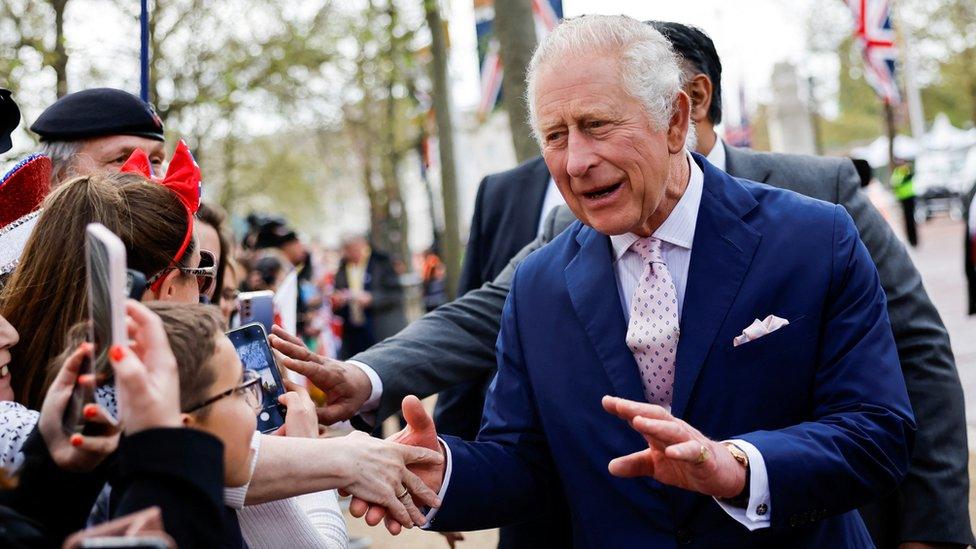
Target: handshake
{"points": [[677, 453], [347, 389]]}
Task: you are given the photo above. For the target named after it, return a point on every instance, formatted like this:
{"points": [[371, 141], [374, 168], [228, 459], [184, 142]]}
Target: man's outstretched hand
{"points": [[346, 387], [677, 453], [420, 431]]}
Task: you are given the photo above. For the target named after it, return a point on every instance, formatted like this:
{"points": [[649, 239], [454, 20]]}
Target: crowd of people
{"points": [[660, 341]]}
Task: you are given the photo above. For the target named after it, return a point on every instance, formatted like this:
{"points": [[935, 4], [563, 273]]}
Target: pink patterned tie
{"points": [[653, 331]]}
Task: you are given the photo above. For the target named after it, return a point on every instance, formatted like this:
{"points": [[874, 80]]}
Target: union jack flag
{"points": [[875, 35]]}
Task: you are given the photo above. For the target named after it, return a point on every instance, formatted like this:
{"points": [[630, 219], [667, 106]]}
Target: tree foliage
{"points": [[32, 41]]}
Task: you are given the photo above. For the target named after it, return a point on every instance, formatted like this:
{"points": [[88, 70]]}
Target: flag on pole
{"points": [[547, 14], [875, 36]]}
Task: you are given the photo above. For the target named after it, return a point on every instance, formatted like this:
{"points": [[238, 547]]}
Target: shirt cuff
{"points": [[758, 511], [234, 497], [429, 515], [373, 402]]}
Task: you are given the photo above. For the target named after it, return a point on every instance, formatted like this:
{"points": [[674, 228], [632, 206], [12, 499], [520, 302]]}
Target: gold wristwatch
{"points": [[741, 500]]}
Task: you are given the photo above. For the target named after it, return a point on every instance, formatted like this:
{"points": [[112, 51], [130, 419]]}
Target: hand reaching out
{"points": [[379, 471], [677, 453], [420, 431], [346, 387]]}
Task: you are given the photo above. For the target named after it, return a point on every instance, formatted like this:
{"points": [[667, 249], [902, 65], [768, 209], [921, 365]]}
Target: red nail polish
{"points": [[116, 353], [89, 411], [76, 440]]}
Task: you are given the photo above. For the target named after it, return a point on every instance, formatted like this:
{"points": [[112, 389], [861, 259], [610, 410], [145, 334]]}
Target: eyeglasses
{"points": [[250, 389], [205, 273]]}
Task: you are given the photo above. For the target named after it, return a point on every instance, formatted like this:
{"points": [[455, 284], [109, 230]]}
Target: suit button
{"points": [[762, 509], [683, 536]]}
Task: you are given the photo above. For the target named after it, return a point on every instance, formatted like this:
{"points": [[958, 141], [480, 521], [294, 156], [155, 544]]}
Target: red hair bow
{"points": [[182, 177]]}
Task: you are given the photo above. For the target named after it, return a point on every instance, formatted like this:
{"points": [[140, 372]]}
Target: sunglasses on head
{"points": [[205, 273]]}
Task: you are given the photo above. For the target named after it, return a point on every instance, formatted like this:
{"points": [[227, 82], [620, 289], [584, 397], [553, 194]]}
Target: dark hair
{"points": [[213, 215], [269, 268], [695, 47], [47, 293], [192, 330]]}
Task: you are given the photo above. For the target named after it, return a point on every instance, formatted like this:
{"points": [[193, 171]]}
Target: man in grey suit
{"points": [[456, 342]]}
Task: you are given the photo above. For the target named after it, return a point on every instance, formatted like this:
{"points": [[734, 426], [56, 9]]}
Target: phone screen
{"points": [[251, 343]]}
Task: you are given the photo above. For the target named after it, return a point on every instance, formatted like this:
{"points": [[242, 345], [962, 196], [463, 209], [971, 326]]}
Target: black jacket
{"points": [[180, 471]]}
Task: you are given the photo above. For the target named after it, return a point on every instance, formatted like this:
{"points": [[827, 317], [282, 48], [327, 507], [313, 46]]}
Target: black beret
{"points": [[97, 112], [9, 119]]}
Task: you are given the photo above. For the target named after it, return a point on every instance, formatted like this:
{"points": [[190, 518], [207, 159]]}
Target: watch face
{"points": [[738, 454]]}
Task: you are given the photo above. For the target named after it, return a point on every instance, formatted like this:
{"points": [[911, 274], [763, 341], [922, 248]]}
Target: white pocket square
{"points": [[759, 328]]}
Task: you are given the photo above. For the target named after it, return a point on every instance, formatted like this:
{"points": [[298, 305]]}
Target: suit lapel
{"points": [[592, 287], [721, 254], [744, 164]]}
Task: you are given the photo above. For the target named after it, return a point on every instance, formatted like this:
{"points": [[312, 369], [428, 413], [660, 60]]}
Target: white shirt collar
{"points": [[679, 228], [716, 156]]}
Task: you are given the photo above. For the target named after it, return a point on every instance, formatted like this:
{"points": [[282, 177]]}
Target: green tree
{"points": [[217, 65], [946, 31], [860, 115], [32, 41], [381, 113]]}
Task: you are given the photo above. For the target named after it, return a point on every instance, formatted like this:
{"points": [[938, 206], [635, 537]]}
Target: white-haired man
{"points": [[739, 331]]}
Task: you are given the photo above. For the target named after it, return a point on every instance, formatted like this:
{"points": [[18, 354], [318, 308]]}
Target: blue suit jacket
{"points": [[823, 399]]}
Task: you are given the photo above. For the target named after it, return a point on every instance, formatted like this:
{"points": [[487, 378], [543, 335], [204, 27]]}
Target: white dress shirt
{"points": [[552, 199], [677, 234], [716, 156]]}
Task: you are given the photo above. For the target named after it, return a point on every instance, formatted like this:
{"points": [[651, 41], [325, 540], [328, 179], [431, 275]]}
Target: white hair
{"points": [[62, 155], [649, 68]]}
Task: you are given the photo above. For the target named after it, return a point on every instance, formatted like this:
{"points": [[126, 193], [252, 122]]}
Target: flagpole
{"points": [[889, 114], [144, 51]]}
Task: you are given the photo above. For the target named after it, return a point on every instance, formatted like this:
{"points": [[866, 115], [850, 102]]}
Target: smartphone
{"points": [[107, 290], [256, 307], [135, 284], [251, 343]]}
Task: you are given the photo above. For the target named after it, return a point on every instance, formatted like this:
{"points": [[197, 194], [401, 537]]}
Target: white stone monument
{"points": [[790, 127]]}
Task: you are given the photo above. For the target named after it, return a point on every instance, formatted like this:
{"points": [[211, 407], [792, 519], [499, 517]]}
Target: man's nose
{"points": [[580, 155]]}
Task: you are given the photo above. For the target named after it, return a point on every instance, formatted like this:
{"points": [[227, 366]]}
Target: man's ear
{"points": [[678, 125], [188, 420], [699, 89]]}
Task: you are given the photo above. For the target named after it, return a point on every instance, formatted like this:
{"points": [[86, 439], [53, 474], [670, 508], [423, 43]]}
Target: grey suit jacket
{"points": [[456, 343]]}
